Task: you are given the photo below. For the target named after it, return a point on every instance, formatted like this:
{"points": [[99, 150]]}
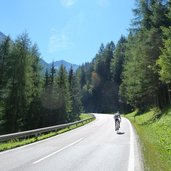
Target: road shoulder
{"points": [[138, 155]]}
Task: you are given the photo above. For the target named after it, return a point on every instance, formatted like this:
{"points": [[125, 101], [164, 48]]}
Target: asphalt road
{"points": [[93, 147]]}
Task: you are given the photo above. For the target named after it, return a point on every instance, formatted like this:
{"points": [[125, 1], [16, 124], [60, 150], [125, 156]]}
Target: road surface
{"points": [[93, 147]]}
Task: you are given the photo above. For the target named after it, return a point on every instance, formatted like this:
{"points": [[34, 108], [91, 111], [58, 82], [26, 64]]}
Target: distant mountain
{"points": [[44, 65], [2, 36], [57, 64], [66, 64]]}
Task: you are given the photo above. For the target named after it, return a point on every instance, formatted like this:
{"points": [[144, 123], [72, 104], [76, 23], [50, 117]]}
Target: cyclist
{"points": [[117, 119]]}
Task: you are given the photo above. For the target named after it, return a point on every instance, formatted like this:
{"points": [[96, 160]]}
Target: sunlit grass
{"points": [[17, 143], [84, 116], [155, 135]]}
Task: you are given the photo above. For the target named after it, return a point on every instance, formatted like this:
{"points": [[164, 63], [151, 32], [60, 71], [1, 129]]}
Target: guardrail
{"points": [[37, 132]]}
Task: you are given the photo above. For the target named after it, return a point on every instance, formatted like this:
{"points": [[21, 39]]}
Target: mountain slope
{"points": [[57, 64], [44, 65], [66, 64]]}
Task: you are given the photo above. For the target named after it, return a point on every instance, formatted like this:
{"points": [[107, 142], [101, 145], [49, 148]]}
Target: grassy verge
{"points": [[154, 131], [17, 143], [84, 116]]}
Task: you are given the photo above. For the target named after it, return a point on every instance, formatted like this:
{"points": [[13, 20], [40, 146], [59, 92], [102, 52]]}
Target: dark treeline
{"points": [[28, 98], [100, 80], [136, 73], [99, 92]]}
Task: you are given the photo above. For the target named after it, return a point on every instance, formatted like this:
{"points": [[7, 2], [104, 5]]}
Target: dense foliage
{"points": [[136, 72], [28, 99]]}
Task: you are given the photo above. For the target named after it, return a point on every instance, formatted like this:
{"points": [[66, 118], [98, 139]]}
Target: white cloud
{"points": [[103, 3], [68, 3], [58, 41]]}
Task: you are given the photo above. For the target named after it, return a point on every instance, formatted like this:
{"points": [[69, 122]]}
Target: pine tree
{"points": [[64, 98], [50, 98], [33, 118], [23, 85], [75, 93], [19, 98], [164, 60], [5, 50], [118, 60], [4, 55], [117, 70], [142, 52]]}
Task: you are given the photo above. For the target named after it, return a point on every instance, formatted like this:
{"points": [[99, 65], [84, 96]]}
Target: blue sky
{"points": [[72, 30]]}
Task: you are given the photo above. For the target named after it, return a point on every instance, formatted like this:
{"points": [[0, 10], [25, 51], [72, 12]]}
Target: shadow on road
{"points": [[120, 133]]}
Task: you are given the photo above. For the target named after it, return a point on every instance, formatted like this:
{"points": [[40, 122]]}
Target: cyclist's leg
{"points": [[119, 123], [116, 125]]}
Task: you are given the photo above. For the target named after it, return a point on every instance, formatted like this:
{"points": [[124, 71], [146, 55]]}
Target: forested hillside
{"points": [[29, 100], [134, 73]]}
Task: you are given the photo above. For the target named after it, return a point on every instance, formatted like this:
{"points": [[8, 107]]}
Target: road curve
{"points": [[93, 147]]}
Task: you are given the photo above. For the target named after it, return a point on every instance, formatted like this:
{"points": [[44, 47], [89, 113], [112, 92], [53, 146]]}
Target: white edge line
{"points": [[75, 142], [131, 152]]}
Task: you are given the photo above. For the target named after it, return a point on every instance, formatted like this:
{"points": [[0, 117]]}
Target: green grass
{"points": [[17, 143], [84, 116], [154, 131]]}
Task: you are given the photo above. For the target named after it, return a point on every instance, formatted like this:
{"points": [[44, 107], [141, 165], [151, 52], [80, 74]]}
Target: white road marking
{"points": [[75, 142], [131, 152]]}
